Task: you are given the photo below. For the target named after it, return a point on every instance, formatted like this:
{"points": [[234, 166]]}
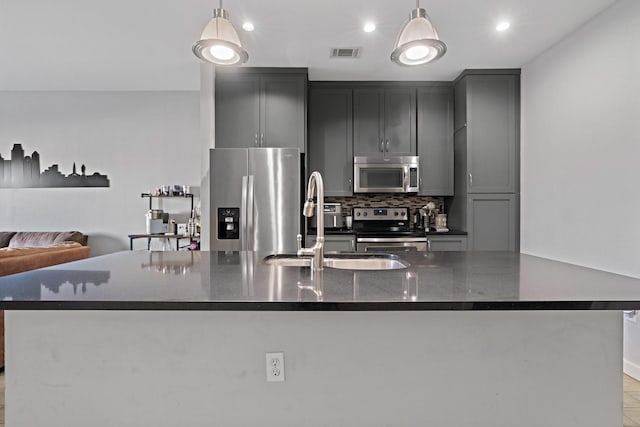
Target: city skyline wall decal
{"points": [[20, 171]]}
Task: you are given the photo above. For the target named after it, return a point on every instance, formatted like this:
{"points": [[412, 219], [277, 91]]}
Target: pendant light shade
{"points": [[418, 42], [219, 43]]}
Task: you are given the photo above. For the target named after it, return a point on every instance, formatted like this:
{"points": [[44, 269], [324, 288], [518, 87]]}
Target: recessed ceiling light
{"points": [[369, 27], [248, 26], [503, 26]]}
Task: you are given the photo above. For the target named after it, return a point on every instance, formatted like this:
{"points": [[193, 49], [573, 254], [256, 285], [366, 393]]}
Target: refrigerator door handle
{"points": [[250, 215], [243, 214]]}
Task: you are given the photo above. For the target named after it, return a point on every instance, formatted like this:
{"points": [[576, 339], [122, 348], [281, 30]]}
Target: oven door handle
{"points": [[375, 248], [392, 240]]}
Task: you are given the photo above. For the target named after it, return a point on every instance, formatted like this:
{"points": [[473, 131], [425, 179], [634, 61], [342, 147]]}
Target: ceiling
{"points": [[146, 45]]}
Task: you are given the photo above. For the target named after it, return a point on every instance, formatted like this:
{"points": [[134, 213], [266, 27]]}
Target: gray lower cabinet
{"points": [[493, 222], [261, 108], [331, 138], [435, 140], [335, 242], [447, 243], [384, 121]]}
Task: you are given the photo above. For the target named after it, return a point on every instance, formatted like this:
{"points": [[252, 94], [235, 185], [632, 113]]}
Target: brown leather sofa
{"points": [[24, 251]]}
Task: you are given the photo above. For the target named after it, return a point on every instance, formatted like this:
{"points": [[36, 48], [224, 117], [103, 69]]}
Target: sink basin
{"points": [[287, 260], [342, 261], [367, 262]]}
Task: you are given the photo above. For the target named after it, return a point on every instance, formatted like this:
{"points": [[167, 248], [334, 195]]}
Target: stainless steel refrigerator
{"points": [[255, 199]]}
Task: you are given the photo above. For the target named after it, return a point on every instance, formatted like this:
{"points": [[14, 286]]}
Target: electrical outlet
{"points": [[275, 367]]}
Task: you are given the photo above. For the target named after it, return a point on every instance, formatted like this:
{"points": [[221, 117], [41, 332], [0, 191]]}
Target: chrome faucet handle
{"points": [[299, 239]]}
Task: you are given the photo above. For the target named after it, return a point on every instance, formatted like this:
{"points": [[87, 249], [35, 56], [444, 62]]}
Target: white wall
{"points": [[207, 142], [581, 146], [581, 151], [141, 140]]}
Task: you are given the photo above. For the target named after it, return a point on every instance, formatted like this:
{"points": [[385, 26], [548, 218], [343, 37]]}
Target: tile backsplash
{"points": [[385, 200]]}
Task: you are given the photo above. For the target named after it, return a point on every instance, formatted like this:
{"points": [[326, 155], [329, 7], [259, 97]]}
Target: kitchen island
{"points": [[179, 338]]}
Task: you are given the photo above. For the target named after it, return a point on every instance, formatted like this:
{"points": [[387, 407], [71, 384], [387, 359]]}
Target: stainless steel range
{"points": [[386, 229]]}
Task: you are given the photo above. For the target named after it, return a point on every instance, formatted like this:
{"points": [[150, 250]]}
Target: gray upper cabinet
{"points": [[487, 113], [237, 112], [384, 121], [282, 111], [435, 140], [331, 138], [259, 108], [368, 126]]}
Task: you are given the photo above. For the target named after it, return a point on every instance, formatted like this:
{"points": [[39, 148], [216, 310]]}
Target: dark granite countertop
{"points": [[142, 280], [331, 231], [447, 233]]}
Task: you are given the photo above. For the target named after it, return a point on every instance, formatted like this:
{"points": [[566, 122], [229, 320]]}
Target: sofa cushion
{"points": [[71, 236], [5, 237], [38, 239], [26, 250]]}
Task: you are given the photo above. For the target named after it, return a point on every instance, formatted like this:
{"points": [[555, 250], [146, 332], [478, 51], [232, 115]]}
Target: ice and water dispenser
{"points": [[228, 223]]}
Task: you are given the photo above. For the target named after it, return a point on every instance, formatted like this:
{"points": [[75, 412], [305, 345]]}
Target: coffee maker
{"points": [[157, 221], [420, 220], [428, 218]]}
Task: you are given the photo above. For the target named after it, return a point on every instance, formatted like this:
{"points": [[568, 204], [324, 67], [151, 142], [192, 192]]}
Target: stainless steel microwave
{"points": [[386, 174]]}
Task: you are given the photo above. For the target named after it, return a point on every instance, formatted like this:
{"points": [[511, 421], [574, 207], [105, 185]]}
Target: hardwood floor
{"points": [[631, 401], [2, 399]]}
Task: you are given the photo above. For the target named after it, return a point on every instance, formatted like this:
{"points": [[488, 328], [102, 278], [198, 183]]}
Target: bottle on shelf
{"points": [[196, 222]]}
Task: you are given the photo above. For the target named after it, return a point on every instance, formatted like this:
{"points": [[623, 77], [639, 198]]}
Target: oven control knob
{"points": [[395, 213], [364, 213], [357, 213]]}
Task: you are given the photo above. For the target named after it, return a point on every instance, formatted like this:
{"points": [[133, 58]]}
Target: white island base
{"points": [[365, 368]]}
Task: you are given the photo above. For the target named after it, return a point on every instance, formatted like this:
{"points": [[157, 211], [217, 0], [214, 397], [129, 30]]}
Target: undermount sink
{"points": [[342, 261]]}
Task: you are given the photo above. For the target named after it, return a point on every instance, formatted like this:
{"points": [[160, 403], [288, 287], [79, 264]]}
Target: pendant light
{"points": [[219, 43], [418, 42]]}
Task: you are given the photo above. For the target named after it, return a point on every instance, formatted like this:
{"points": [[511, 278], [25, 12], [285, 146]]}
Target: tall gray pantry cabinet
{"points": [[261, 107], [487, 159]]}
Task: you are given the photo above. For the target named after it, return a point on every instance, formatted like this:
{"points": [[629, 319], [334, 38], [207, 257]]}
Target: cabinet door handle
{"points": [[350, 186], [382, 145], [262, 139], [353, 245], [256, 140], [470, 179], [428, 244], [387, 146]]}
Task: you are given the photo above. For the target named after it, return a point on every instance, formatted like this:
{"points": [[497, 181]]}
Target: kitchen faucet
{"points": [[317, 250]]}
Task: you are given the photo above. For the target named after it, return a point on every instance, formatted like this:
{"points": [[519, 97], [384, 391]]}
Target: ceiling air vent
{"points": [[345, 52]]}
